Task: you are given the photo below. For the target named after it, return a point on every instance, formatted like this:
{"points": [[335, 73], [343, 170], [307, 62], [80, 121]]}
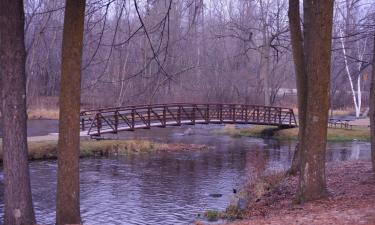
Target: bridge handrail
{"points": [[130, 107]]}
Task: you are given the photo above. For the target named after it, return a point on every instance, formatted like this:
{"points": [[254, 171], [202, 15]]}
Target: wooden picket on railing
{"points": [[114, 120]]}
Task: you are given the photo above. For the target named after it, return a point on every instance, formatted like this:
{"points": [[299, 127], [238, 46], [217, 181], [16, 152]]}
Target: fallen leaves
{"points": [[351, 201]]}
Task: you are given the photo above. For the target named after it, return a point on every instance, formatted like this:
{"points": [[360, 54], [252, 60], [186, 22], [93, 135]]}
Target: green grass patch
{"points": [[357, 133], [212, 215]]}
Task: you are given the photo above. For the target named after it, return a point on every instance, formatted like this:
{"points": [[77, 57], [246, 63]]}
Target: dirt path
{"points": [[352, 200]]}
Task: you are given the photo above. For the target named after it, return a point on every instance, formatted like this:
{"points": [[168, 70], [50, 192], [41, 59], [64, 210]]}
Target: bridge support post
{"points": [[116, 122], [99, 123], [221, 113], [179, 116], [148, 117], [207, 113], [269, 115], [133, 120], [193, 114], [264, 114], [242, 113], [246, 114], [164, 120]]}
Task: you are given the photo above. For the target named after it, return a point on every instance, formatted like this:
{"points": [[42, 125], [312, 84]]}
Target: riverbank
{"points": [[45, 147], [359, 133], [351, 187], [270, 199]]}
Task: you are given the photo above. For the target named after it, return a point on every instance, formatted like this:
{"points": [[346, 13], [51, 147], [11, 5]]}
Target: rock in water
{"points": [[215, 195]]}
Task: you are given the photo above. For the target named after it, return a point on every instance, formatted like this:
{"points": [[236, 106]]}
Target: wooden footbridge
{"points": [[113, 120]]}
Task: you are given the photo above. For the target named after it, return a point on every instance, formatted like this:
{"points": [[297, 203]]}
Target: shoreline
{"points": [[351, 187], [260, 131], [270, 199], [45, 147]]}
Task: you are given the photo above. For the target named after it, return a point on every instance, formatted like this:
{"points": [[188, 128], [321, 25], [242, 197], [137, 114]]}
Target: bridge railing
{"points": [[113, 120]]}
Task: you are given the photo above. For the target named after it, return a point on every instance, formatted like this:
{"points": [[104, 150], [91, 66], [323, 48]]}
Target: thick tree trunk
{"points": [[298, 57], [372, 110], [68, 204], [317, 47], [17, 189]]}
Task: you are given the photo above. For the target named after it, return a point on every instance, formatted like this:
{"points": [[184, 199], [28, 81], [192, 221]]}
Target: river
{"points": [[170, 188]]}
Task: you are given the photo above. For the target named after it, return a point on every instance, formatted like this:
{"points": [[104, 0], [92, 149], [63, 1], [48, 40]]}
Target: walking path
{"points": [[360, 122]]}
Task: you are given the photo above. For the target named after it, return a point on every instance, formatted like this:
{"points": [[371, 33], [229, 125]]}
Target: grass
{"points": [[43, 107], [252, 192], [40, 150], [334, 112], [360, 134], [43, 113], [212, 215]]}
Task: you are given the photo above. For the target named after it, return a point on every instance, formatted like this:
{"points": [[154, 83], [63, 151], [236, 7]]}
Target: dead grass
{"points": [[334, 112], [341, 112], [251, 194], [43, 107], [43, 113], [39, 150]]}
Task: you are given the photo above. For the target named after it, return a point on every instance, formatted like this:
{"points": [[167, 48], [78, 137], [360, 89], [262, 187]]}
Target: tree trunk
{"points": [[317, 47], [356, 97], [372, 110], [68, 205], [265, 71], [265, 55], [301, 80], [17, 189]]}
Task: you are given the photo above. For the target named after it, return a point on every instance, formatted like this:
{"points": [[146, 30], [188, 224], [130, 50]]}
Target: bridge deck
{"points": [[114, 120]]}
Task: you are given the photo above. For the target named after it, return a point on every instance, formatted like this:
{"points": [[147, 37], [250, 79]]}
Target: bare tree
{"points": [[68, 203], [17, 188], [119, 61], [353, 42]]}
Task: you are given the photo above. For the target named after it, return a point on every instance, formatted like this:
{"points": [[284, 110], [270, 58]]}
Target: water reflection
{"points": [[170, 188]]}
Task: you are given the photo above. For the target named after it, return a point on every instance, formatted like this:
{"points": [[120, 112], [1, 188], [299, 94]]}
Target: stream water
{"points": [[170, 188]]}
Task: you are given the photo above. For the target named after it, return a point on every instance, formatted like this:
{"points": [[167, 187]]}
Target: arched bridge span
{"points": [[129, 118]]}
